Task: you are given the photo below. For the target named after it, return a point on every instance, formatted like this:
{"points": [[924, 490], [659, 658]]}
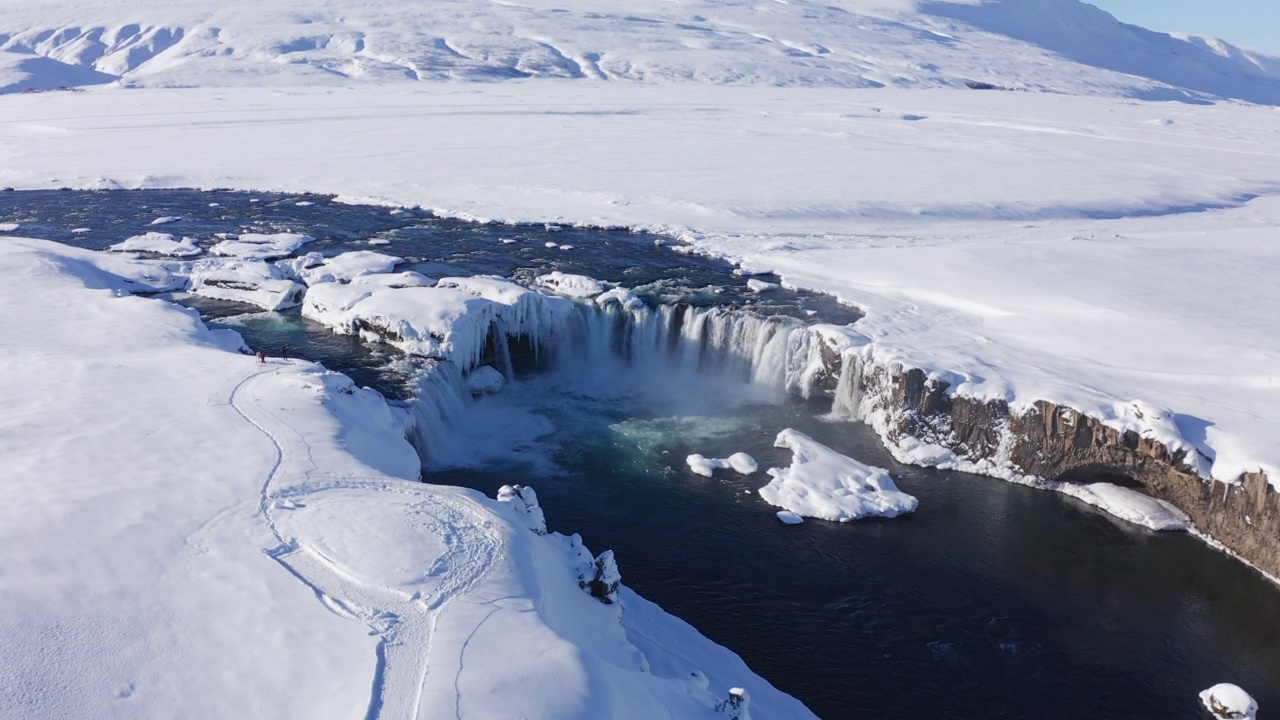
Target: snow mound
{"points": [[262, 246], [576, 286], [1229, 702], [160, 244], [740, 462], [248, 281], [1129, 505], [822, 483], [348, 266]]}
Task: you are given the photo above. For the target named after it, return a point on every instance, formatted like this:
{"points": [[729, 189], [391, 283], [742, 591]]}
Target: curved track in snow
{"points": [[402, 620]]}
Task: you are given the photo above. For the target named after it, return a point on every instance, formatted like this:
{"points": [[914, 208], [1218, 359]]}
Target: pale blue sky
{"points": [[1247, 23]]}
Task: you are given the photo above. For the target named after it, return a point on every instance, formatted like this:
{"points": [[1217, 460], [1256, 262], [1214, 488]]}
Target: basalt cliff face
{"points": [[1049, 442]]}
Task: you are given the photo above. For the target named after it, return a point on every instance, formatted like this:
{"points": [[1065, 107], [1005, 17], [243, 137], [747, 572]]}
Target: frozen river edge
{"points": [[266, 521]]}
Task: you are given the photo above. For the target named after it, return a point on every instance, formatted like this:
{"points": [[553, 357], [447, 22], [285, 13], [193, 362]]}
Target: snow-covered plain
{"points": [[1073, 241], [190, 532]]}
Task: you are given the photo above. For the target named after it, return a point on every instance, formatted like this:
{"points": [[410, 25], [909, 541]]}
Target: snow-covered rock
{"points": [[247, 281], [625, 299], [262, 246], [821, 483], [740, 462], [1229, 702], [348, 266], [159, 244], [524, 501], [485, 380], [570, 285]]}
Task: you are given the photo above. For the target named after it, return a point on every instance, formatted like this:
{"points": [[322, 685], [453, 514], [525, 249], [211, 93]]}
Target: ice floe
{"points": [[822, 483]]}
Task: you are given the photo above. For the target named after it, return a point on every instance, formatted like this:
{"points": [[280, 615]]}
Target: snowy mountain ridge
{"points": [[1061, 46]]}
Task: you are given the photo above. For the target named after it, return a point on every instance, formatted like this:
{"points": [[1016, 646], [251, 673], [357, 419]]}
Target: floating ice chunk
{"points": [[247, 281], [578, 286], [379, 241], [624, 297], [484, 380], [394, 280], [166, 220], [11, 227], [822, 483], [742, 463], [507, 241], [759, 286], [304, 203], [1229, 702], [80, 231], [1129, 505], [262, 246], [789, 517], [566, 247], [158, 243], [551, 244], [349, 265], [702, 465]]}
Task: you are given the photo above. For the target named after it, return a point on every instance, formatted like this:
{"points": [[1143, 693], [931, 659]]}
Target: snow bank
{"points": [[741, 463], [160, 244], [576, 286], [261, 246], [1128, 504], [822, 483], [1229, 702]]}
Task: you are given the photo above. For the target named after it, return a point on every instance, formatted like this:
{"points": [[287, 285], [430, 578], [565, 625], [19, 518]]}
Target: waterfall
{"points": [[440, 398], [668, 344]]}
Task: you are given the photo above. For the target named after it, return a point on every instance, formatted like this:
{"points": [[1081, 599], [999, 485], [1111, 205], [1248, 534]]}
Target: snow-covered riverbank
{"points": [[187, 528], [1085, 251]]}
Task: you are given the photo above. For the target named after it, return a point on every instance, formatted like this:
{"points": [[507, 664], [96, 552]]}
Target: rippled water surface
{"points": [[992, 600]]}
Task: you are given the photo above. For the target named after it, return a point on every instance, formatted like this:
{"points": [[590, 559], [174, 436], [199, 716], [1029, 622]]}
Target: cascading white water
{"points": [[441, 397]]}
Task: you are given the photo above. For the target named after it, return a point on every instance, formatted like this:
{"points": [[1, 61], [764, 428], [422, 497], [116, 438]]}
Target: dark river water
{"points": [[992, 600]]}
